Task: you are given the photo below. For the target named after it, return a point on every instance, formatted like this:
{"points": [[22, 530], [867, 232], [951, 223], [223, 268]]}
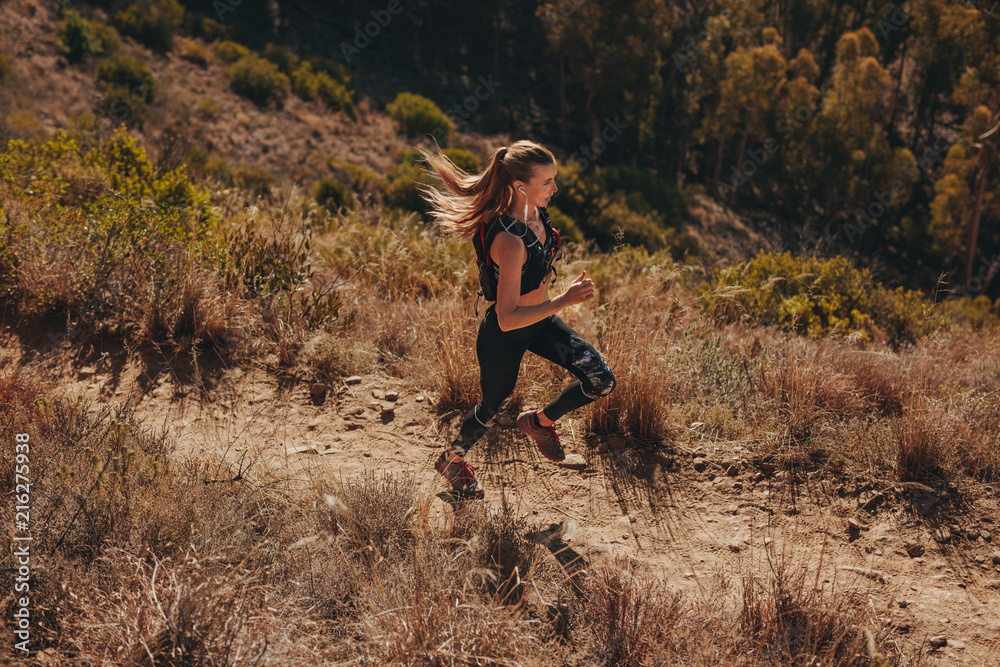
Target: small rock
{"points": [[914, 548], [995, 556], [700, 464], [938, 641], [354, 426], [942, 535], [853, 525], [903, 604], [733, 469], [419, 398], [317, 389], [972, 534], [304, 449], [387, 408], [945, 621], [356, 411], [737, 486], [986, 535], [392, 395], [354, 379], [574, 462], [957, 645], [734, 545], [375, 405], [378, 394], [980, 559]]}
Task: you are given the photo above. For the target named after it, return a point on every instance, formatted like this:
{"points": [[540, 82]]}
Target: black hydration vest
{"points": [[536, 266]]}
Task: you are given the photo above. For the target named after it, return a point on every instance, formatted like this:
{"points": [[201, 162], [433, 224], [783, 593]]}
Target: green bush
{"points": [[196, 25], [404, 180], [568, 229], [194, 52], [99, 243], [815, 296], [332, 195], [418, 115], [282, 56], [229, 52], [463, 159], [258, 180], [310, 85], [334, 70], [153, 24], [361, 180], [79, 37], [258, 80], [128, 87]]}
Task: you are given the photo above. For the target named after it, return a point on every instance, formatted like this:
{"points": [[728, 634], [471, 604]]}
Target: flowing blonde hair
{"points": [[473, 199]]}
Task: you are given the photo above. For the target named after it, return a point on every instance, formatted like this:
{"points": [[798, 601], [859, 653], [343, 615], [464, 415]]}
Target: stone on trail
{"points": [[392, 395], [574, 462], [913, 548], [354, 379], [379, 394], [938, 641]]}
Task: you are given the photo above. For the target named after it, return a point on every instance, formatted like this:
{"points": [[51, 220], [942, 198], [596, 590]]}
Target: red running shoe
{"points": [[545, 436], [462, 477]]}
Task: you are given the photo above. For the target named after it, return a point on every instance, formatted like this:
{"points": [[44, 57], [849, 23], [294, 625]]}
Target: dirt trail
{"points": [[703, 519]]}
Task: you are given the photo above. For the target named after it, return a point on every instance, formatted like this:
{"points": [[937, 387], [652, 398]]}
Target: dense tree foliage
{"points": [[866, 126]]}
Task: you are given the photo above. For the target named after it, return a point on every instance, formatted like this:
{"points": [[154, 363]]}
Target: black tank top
{"points": [[540, 254]]}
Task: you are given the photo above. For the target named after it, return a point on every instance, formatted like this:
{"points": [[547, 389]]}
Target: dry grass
{"points": [[641, 400]]}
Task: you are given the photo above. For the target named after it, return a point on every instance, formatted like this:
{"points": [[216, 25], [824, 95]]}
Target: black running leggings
{"points": [[500, 354]]}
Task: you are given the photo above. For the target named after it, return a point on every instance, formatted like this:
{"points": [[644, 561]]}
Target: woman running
{"points": [[503, 209]]}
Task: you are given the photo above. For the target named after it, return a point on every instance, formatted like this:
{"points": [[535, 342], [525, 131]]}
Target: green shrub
{"points": [[334, 70], [361, 180], [258, 180], [335, 94], [404, 180], [258, 80], [98, 243], [568, 229], [128, 87], [79, 37], [229, 52], [282, 56], [332, 195], [905, 315], [202, 27], [816, 296], [463, 159], [153, 24], [310, 85], [418, 115], [194, 52]]}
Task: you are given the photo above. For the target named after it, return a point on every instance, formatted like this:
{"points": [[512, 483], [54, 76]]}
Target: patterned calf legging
{"points": [[500, 354]]}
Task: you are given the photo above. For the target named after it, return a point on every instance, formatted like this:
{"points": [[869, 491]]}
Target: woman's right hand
{"points": [[582, 289]]}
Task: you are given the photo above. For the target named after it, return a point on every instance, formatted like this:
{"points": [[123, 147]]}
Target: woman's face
{"points": [[542, 185]]}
